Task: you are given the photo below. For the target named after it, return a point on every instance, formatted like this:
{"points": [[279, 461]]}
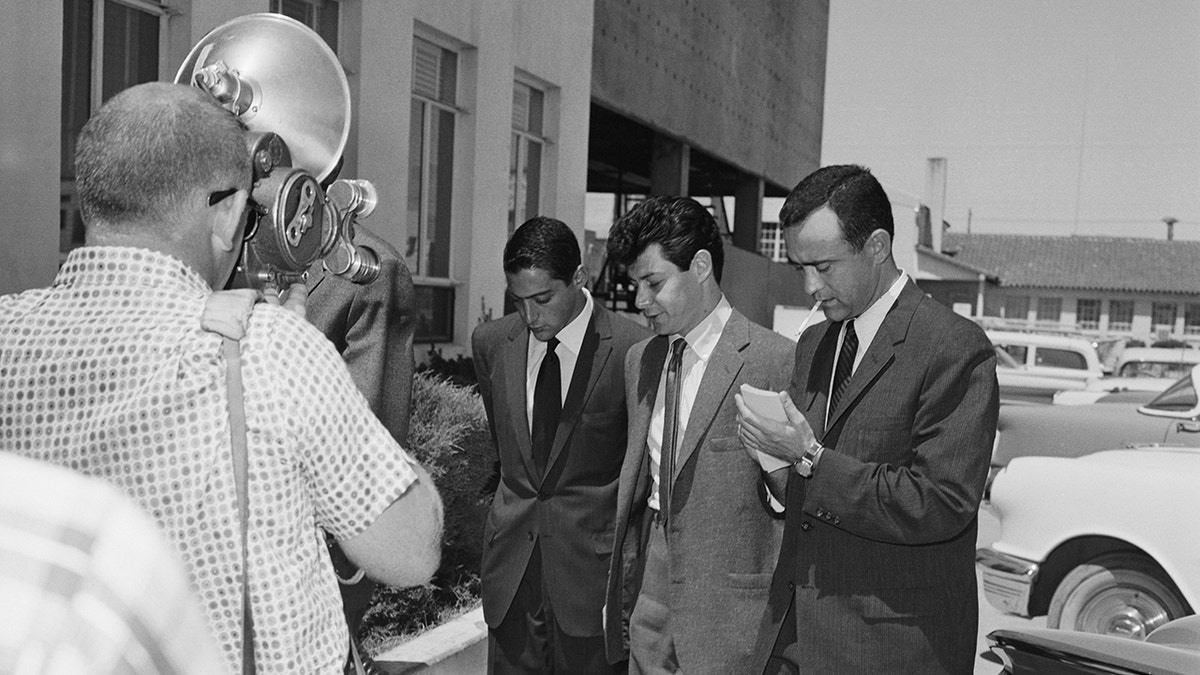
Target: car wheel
{"points": [[1123, 594]]}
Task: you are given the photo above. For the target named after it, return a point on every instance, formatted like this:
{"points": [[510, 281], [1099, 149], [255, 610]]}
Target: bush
{"points": [[449, 435]]}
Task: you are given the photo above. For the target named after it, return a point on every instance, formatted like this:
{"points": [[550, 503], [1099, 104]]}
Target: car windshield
{"points": [[1179, 396]]}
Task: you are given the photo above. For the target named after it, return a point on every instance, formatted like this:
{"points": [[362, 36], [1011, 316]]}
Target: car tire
{"points": [[1123, 594]]}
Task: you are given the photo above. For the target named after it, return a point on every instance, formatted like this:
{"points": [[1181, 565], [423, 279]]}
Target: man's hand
{"points": [[294, 298], [785, 440]]}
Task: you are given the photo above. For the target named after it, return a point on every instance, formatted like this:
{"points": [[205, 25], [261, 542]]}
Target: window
{"points": [[1162, 316], [1018, 352], [319, 15], [1016, 307], [1059, 358], [1120, 315], [430, 180], [771, 243], [1191, 319], [1049, 310], [1087, 314], [108, 46], [525, 161]]}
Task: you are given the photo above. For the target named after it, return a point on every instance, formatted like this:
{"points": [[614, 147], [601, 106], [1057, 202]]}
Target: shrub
{"points": [[448, 434]]}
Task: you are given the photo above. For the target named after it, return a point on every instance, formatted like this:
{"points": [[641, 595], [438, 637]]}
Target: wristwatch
{"points": [[808, 462]]}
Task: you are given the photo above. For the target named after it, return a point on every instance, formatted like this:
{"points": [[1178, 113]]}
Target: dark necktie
{"points": [[845, 364], [666, 463], [547, 406]]}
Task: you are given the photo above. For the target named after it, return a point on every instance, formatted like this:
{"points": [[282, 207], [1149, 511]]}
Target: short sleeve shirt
{"points": [[110, 373]]}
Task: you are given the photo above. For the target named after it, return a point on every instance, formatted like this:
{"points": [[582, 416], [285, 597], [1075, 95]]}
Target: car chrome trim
{"points": [[1007, 580]]}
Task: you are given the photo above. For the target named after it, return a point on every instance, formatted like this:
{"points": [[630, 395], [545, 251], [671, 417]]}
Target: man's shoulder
{"points": [[493, 331], [624, 329], [950, 327], [762, 340]]}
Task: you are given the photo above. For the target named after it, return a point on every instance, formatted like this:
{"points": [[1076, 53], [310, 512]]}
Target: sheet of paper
{"points": [[766, 404]]}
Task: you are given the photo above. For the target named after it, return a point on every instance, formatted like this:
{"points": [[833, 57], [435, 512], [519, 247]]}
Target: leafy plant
{"points": [[448, 434]]}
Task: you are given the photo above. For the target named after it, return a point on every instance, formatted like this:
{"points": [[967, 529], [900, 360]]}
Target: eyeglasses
{"points": [[217, 197]]}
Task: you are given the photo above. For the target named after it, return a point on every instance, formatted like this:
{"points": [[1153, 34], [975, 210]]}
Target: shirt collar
{"points": [[127, 266], [571, 335], [867, 324], [704, 337]]}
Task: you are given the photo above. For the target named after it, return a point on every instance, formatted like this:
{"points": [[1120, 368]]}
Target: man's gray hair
{"points": [[152, 147]]}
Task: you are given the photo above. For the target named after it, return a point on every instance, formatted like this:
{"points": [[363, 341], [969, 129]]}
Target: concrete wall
{"points": [[29, 143], [743, 80], [755, 285]]}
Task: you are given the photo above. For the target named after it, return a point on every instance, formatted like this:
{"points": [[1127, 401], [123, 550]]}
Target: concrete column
{"points": [[747, 213], [669, 165], [30, 144]]}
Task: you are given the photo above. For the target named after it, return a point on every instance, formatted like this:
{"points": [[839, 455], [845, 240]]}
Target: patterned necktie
{"points": [[845, 364], [666, 455], [547, 406]]}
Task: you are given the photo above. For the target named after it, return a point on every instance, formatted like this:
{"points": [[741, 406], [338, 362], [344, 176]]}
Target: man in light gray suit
{"points": [[694, 547]]}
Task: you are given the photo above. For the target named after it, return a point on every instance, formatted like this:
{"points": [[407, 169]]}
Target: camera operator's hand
{"points": [[294, 298]]}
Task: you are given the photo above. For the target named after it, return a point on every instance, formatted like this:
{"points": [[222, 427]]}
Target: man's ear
{"points": [[702, 264], [880, 243], [579, 278], [228, 219]]}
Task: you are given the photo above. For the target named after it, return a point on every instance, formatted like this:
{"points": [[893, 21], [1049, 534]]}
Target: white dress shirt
{"points": [[570, 342], [701, 341]]}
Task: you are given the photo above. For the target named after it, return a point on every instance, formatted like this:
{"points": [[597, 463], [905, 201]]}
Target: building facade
{"points": [[469, 116]]}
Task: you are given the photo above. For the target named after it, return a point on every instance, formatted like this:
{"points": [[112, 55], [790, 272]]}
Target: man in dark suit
{"points": [[552, 382], [372, 327], [891, 414], [694, 546]]}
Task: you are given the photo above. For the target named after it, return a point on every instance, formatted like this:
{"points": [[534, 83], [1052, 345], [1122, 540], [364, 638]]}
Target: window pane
{"points": [[533, 178], [130, 48], [413, 253], [1120, 315], [1191, 319], [535, 111], [1060, 358], [1016, 307], [77, 78], [1049, 309], [441, 174], [1163, 314], [434, 314], [319, 15], [515, 217], [1087, 314]]}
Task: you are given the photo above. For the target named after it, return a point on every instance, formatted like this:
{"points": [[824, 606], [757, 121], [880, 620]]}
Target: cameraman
{"points": [[110, 372]]}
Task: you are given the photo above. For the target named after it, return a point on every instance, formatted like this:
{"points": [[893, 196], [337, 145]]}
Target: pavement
{"points": [[991, 618]]}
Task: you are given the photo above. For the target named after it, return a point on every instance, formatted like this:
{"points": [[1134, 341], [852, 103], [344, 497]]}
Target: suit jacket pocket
{"points": [[749, 581], [726, 444]]}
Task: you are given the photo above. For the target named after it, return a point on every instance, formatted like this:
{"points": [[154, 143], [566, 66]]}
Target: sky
{"points": [[1055, 116]]}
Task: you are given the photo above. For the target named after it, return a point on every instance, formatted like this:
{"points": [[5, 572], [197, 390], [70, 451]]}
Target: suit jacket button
{"points": [[791, 586], [542, 496], [530, 536], [805, 525]]}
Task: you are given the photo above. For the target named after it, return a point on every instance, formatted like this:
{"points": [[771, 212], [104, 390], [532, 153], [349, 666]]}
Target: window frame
{"points": [[520, 141]]}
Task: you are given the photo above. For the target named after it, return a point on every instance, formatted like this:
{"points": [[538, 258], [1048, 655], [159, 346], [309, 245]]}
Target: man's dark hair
{"points": [[851, 192], [680, 225], [545, 244]]}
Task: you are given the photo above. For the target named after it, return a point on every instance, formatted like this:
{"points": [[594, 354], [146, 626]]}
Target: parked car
{"points": [[1040, 365], [1116, 420], [1101, 543], [1156, 362], [1172, 649]]}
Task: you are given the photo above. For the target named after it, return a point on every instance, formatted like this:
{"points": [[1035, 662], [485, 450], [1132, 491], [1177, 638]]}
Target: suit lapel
{"points": [[593, 355], [819, 374], [512, 362], [724, 364], [881, 351], [650, 368]]}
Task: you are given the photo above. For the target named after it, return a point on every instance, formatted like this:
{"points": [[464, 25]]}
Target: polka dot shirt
{"points": [[109, 372]]}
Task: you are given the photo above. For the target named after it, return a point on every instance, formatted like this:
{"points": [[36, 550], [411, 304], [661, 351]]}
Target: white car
{"points": [[1102, 543], [1031, 367]]}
